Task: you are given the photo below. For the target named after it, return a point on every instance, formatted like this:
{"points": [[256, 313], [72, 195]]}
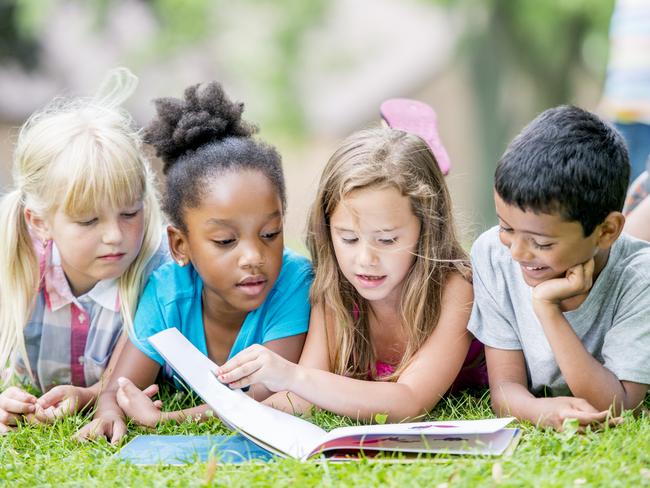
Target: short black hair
{"points": [[566, 161], [201, 137]]}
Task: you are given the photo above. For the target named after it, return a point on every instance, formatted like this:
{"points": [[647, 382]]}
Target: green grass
{"points": [[620, 456]]}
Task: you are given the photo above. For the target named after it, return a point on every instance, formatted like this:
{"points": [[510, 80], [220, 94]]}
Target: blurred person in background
{"points": [[626, 97]]}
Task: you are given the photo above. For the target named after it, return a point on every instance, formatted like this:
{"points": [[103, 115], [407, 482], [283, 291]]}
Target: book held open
{"points": [[290, 436]]}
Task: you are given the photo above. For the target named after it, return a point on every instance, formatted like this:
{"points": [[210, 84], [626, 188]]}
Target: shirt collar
{"points": [[58, 294]]}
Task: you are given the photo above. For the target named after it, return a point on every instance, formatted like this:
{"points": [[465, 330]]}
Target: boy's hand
{"points": [[110, 425], [556, 410], [577, 281], [14, 404], [137, 403], [61, 401], [257, 364]]}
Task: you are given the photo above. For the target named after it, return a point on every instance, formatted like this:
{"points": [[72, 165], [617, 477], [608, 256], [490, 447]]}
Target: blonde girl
{"points": [[392, 292], [81, 226]]}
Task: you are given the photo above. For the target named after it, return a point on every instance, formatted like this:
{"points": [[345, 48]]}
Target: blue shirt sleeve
{"points": [[289, 308]]}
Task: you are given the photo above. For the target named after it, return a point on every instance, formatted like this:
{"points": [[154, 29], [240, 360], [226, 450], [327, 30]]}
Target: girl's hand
{"points": [[557, 410], [61, 401], [137, 404], [257, 364], [577, 281], [110, 425], [14, 405]]}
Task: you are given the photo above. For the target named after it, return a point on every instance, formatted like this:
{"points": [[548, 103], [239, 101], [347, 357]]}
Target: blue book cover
{"points": [[183, 449]]}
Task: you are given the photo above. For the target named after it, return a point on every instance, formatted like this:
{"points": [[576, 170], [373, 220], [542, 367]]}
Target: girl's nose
{"points": [[112, 233], [367, 254], [251, 255]]}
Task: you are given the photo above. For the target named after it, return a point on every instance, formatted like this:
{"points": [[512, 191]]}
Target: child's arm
{"points": [[63, 400], [586, 377], [60, 401], [289, 348], [510, 395], [109, 419], [137, 404], [415, 392], [315, 354]]}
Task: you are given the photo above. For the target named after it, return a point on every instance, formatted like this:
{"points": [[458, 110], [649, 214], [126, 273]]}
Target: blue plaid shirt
{"points": [[69, 340]]}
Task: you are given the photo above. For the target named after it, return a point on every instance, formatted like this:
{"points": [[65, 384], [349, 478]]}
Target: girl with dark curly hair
{"points": [[233, 284], [391, 296]]}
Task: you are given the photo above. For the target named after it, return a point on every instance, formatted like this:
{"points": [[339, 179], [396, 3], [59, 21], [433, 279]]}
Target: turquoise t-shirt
{"points": [[172, 298]]}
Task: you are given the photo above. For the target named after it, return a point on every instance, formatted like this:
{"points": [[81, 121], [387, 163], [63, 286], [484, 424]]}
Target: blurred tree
{"points": [[17, 42], [536, 48], [523, 55], [182, 23]]}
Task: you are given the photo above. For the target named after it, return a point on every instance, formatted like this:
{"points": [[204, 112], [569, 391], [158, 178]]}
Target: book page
{"points": [[493, 444], [276, 430], [413, 431]]}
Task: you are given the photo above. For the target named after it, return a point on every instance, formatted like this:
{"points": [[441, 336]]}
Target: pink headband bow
{"points": [[420, 119]]}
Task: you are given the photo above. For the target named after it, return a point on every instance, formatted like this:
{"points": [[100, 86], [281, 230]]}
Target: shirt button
{"points": [[81, 359], [82, 317]]}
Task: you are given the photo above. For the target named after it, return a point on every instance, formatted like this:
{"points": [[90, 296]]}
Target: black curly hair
{"points": [[201, 137]]}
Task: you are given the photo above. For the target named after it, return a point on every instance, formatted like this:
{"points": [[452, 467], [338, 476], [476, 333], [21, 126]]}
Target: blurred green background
{"points": [[310, 72]]}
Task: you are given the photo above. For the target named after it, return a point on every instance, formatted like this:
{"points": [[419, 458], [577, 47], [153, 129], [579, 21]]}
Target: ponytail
{"points": [[19, 278]]}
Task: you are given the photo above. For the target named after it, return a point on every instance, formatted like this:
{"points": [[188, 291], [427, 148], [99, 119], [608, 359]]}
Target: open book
{"points": [[290, 436]]}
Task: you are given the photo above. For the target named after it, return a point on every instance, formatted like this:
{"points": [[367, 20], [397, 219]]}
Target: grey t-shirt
{"points": [[613, 322]]}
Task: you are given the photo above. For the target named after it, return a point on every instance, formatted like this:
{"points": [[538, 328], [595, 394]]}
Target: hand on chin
{"points": [[577, 280]]}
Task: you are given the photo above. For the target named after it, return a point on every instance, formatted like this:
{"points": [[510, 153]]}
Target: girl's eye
{"points": [[388, 242], [224, 242], [505, 229], [349, 240], [86, 223], [269, 236], [130, 215]]}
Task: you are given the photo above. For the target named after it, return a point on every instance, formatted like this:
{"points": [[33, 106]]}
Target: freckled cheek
{"points": [[135, 228]]}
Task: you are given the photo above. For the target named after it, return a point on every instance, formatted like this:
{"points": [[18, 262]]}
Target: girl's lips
{"points": [[370, 281], [112, 257], [252, 285]]}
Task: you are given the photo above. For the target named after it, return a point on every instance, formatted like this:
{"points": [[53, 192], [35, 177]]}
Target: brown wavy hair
{"points": [[380, 158]]}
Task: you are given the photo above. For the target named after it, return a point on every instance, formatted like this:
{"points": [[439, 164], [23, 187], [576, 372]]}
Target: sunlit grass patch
{"points": [[618, 456]]}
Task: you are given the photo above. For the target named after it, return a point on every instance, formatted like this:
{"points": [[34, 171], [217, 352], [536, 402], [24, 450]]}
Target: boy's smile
{"points": [[545, 245]]}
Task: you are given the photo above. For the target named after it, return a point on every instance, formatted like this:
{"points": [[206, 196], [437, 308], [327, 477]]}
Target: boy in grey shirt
{"points": [[561, 298]]}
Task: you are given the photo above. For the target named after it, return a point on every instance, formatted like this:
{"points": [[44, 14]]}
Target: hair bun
{"points": [[205, 115]]}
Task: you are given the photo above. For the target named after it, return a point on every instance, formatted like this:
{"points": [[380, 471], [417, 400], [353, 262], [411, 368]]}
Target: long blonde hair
{"points": [[78, 155], [376, 158]]}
